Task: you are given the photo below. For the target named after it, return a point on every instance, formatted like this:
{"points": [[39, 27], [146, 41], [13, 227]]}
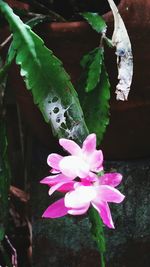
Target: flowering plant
{"points": [[91, 188], [80, 175]]}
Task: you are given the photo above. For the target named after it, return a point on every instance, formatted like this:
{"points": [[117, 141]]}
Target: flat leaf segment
{"points": [[45, 76], [95, 102], [96, 21], [93, 64]]}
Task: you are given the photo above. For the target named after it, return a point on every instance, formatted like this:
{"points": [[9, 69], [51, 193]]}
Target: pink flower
{"points": [[89, 190], [58, 182], [87, 193], [82, 162]]}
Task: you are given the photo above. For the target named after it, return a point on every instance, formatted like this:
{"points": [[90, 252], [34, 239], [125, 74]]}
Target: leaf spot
{"points": [[55, 99], [56, 110]]}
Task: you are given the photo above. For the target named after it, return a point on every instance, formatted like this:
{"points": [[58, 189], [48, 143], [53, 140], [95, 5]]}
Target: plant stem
{"points": [[98, 233], [35, 4], [6, 41]]}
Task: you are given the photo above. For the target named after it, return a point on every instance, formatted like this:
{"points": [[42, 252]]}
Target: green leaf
{"points": [[45, 76], [98, 233], [96, 21], [12, 52], [95, 105], [92, 63], [4, 180]]}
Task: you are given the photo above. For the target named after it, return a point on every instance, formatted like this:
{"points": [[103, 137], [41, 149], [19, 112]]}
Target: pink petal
{"points": [[51, 180], [84, 182], [57, 209], [67, 187], [53, 171], [92, 177], [63, 186], [109, 194], [104, 212], [53, 160], [70, 146], [89, 179], [112, 179], [89, 144], [55, 187], [80, 197], [73, 166], [96, 160], [79, 211]]}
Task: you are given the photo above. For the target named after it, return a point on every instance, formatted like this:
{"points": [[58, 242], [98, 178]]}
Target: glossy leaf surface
{"points": [[95, 103], [49, 83], [92, 63], [96, 21]]}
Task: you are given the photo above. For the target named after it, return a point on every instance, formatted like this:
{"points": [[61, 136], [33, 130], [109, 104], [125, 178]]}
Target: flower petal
{"points": [[53, 160], [92, 177], [95, 160], [57, 209], [51, 180], [63, 186], [109, 194], [104, 212], [70, 146], [67, 187], [80, 197], [55, 187], [112, 179], [53, 171], [73, 166], [79, 211], [89, 144]]}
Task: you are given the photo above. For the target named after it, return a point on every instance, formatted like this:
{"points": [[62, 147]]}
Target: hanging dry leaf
{"points": [[121, 41]]}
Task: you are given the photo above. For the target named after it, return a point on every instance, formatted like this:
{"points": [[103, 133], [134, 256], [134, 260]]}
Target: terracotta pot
{"points": [[128, 134]]}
